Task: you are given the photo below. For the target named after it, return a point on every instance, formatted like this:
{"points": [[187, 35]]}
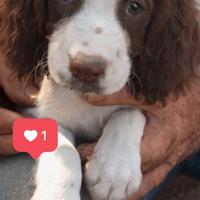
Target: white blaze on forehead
{"points": [[102, 4], [97, 13], [98, 26]]}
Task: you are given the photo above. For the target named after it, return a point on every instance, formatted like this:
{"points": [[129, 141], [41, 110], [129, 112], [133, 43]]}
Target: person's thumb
{"points": [[7, 118], [20, 96], [122, 97], [6, 147]]}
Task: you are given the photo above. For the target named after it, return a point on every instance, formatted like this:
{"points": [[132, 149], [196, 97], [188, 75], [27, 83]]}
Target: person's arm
{"points": [[171, 135]]}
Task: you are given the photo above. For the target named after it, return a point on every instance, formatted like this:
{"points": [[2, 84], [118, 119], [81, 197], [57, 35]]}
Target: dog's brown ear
{"points": [[22, 33], [172, 49]]}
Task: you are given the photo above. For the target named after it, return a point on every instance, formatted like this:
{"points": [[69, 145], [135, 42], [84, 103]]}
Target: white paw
{"points": [[116, 178]]}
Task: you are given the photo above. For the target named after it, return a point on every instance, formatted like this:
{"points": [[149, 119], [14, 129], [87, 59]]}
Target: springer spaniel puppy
{"points": [[99, 47]]}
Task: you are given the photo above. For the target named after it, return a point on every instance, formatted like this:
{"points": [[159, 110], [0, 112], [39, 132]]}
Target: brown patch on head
{"points": [[61, 9], [164, 45], [135, 25]]}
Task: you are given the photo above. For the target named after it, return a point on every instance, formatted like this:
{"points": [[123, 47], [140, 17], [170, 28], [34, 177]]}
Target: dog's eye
{"points": [[134, 8]]}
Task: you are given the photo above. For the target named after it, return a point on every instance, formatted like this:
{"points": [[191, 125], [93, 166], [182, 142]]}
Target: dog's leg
{"points": [[58, 175], [114, 171]]}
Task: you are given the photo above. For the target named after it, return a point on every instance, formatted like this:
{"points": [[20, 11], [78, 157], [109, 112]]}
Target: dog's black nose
{"points": [[87, 68]]}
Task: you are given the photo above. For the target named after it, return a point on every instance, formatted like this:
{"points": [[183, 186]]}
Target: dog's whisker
{"points": [[28, 78], [40, 69], [130, 81]]}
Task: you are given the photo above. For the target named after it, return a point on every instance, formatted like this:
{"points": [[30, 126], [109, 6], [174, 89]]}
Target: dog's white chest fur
{"points": [[72, 111]]}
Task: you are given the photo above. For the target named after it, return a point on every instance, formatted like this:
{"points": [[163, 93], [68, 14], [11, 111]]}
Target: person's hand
{"points": [[21, 91], [12, 90], [172, 134]]}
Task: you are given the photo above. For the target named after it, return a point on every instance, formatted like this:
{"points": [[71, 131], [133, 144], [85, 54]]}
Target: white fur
{"points": [[113, 173]]}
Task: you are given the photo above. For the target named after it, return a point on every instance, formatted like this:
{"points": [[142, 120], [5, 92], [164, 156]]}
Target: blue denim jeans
{"points": [[190, 166]]}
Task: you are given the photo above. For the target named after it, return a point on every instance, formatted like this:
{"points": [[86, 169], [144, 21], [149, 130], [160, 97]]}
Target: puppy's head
{"points": [[89, 51]]}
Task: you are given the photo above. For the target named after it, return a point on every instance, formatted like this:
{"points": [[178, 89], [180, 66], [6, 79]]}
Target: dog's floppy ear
{"points": [[22, 33], [172, 49]]}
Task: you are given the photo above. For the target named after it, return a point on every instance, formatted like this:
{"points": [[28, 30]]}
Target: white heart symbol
{"points": [[30, 135]]}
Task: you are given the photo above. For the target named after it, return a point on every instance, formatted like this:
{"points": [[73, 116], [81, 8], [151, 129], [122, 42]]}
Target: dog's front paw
{"points": [[114, 178]]}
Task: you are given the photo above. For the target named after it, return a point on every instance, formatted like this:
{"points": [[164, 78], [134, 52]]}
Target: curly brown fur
{"points": [[22, 34], [171, 52]]}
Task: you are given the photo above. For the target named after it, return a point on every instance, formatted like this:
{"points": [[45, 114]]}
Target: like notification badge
{"points": [[35, 136]]}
